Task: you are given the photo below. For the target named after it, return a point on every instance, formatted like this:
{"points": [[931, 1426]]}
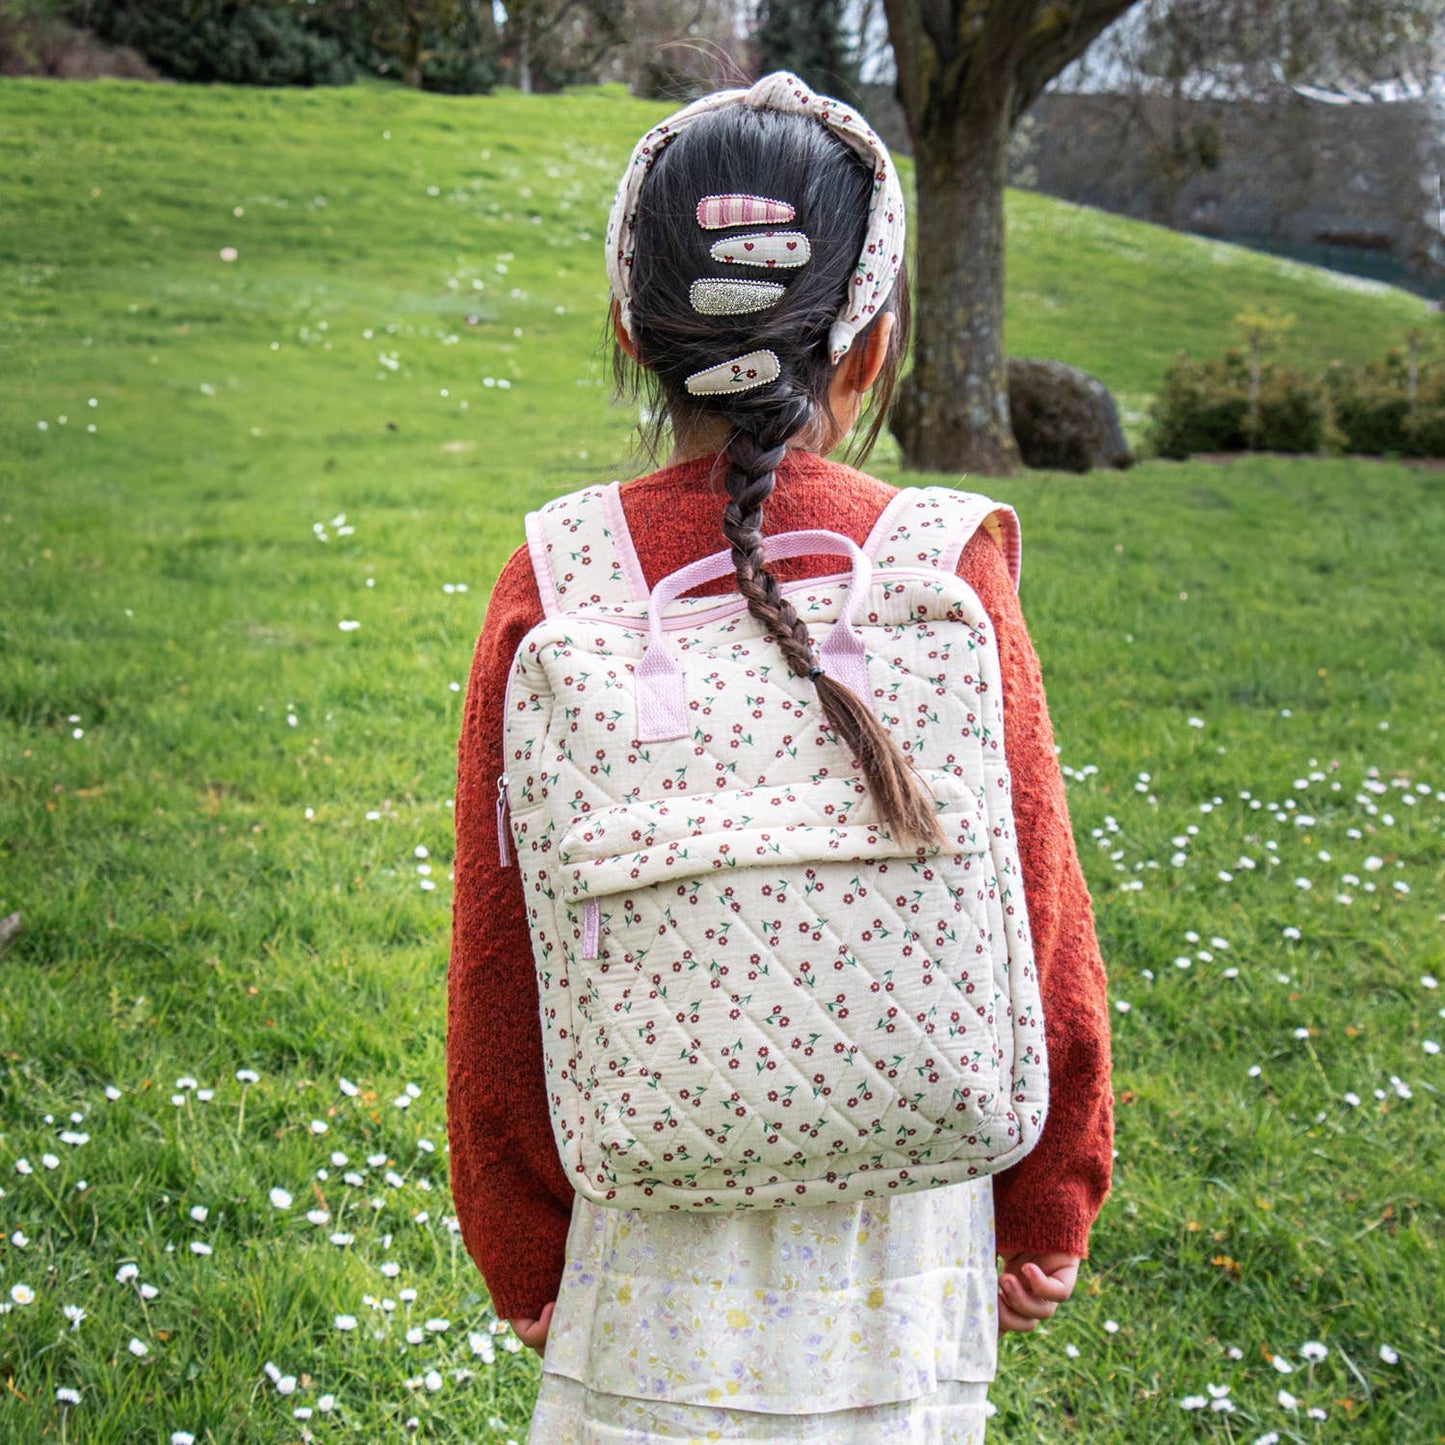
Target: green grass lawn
{"points": [[226, 819]]}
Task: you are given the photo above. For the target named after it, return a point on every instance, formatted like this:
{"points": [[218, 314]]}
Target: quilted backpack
{"points": [[751, 996]]}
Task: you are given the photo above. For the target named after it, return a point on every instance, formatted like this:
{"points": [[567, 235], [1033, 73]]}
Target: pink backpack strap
{"points": [[582, 552], [930, 526]]}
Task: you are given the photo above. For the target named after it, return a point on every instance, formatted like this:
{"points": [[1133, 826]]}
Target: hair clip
{"points": [[780, 249], [881, 257], [713, 296], [742, 373], [716, 212]]}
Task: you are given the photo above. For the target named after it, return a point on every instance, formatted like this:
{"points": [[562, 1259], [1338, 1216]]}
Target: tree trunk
{"points": [[967, 69], [952, 413], [1176, 164], [1256, 373], [411, 52], [486, 22], [524, 58]]}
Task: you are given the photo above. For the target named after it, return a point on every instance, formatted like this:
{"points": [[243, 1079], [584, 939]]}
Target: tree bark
{"points": [[967, 69], [411, 52], [486, 23], [524, 60], [952, 413]]}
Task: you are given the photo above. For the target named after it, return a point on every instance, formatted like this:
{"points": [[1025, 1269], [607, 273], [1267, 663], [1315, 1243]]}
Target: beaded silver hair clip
{"points": [[714, 296], [742, 373]]}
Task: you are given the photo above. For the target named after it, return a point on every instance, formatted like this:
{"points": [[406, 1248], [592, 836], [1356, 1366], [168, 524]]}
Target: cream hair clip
{"points": [[743, 373], [771, 249]]}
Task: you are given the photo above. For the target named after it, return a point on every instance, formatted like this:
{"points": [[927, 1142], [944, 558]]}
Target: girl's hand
{"points": [[533, 1333], [1032, 1286]]}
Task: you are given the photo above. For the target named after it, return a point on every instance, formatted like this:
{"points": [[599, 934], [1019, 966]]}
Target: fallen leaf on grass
{"points": [[1229, 1266]]}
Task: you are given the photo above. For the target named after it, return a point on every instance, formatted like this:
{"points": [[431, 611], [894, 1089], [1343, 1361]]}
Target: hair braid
{"points": [[752, 467], [748, 151], [894, 786]]}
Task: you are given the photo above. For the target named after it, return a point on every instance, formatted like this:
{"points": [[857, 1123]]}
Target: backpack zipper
{"points": [[504, 850]]}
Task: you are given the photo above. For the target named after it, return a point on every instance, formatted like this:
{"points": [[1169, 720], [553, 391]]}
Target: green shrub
{"points": [[220, 40], [455, 53], [464, 72], [1371, 411], [1368, 408], [1371, 420], [1203, 406], [1424, 434], [1200, 408], [1291, 416]]}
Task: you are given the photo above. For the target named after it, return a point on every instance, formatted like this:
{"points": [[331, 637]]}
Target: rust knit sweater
{"points": [[512, 1199]]}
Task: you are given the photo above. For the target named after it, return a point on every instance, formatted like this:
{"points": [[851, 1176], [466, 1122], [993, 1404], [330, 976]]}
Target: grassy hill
{"points": [[226, 820], [374, 208]]}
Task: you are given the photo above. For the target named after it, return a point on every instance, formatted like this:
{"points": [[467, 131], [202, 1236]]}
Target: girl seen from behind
{"points": [[759, 298]]}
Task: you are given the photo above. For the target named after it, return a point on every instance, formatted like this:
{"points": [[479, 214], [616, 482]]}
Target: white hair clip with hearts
{"points": [[771, 249]]}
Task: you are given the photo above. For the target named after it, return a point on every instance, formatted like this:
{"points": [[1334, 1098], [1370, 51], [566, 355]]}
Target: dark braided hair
{"points": [[738, 149]]}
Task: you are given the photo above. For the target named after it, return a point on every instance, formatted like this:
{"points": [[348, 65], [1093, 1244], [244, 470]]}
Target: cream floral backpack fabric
{"points": [[750, 995]]}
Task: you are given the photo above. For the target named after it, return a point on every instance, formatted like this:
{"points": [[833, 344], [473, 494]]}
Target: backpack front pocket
{"points": [[764, 981]]}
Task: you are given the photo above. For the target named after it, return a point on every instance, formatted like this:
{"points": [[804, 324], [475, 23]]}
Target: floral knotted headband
{"points": [[882, 253]]}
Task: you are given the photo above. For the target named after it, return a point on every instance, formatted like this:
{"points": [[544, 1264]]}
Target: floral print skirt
{"points": [[570, 1414], [838, 1324]]}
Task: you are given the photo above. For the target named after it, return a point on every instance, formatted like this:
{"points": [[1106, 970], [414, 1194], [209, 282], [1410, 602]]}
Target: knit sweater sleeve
{"points": [[512, 1197], [1050, 1199]]}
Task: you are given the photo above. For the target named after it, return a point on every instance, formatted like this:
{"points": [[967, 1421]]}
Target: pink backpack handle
{"points": [[661, 698]]}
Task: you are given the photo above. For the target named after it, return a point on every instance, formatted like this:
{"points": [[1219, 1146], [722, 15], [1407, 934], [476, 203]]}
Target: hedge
{"points": [[218, 40], [1203, 406]]}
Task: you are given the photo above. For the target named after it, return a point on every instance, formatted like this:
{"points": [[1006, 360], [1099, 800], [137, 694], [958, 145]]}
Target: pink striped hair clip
{"points": [[716, 213]]}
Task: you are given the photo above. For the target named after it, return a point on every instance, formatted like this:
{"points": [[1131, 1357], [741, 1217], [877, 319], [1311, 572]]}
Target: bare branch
{"points": [[1055, 45]]}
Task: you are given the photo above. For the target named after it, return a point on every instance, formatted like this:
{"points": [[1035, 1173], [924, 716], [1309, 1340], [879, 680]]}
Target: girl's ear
{"points": [[852, 377], [628, 345], [863, 363]]}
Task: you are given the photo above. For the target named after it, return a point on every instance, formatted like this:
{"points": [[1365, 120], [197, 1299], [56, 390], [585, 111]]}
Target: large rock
{"points": [[1064, 419]]}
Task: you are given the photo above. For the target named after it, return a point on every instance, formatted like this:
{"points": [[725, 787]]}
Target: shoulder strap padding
{"points": [[582, 552], [930, 527]]}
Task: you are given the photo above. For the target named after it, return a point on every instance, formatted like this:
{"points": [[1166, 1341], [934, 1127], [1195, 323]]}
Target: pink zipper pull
{"points": [[591, 929], [504, 850]]}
